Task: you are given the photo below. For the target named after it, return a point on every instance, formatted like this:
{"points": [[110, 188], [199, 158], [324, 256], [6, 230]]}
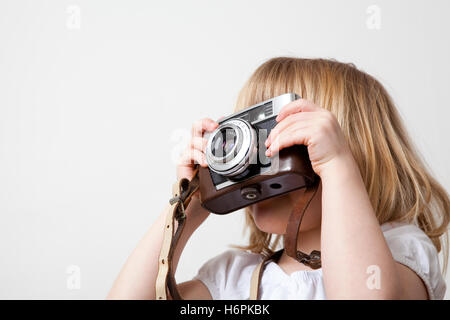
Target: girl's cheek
{"points": [[270, 218], [267, 223]]}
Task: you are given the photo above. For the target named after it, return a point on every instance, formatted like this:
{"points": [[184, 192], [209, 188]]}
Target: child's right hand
{"points": [[195, 151]]}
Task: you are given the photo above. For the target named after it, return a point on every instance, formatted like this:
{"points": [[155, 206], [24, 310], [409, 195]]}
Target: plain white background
{"points": [[95, 95]]}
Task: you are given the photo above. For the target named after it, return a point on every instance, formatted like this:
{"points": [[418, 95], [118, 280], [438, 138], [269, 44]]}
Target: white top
{"points": [[227, 276]]}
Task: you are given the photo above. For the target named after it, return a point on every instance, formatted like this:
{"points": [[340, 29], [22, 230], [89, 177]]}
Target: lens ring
{"points": [[241, 155]]}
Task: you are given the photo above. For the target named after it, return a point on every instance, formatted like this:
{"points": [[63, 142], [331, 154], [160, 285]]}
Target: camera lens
{"points": [[223, 142], [231, 148]]}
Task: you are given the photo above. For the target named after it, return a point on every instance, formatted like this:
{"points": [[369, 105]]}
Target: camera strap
{"points": [[182, 192]]}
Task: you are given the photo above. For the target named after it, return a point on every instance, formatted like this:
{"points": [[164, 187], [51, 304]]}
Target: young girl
{"points": [[379, 217]]}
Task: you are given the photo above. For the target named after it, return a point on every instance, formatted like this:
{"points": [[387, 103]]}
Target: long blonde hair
{"points": [[397, 181]]}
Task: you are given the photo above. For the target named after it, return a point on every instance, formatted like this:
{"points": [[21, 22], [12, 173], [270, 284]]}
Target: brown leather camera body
{"points": [[293, 171]]}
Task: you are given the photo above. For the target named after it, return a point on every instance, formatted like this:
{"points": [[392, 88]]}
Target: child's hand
{"points": [[304, 123], [195, 152]]}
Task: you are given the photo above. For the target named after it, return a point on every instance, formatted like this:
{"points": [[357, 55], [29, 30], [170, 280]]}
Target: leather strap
{"points": [[293, 228], [257, 274], [182, 192]]}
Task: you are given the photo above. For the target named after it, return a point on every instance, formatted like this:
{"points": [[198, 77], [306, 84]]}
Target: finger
{"points": [[193, 156], [200, 126], [300, 118], [287, 139], [299, 105], [198, 143]]}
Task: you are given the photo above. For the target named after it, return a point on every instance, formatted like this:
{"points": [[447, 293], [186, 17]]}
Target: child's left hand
{"points": [[304, 123]]}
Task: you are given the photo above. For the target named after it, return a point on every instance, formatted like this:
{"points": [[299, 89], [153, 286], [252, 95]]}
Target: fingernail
{"points": [[268, 152]]}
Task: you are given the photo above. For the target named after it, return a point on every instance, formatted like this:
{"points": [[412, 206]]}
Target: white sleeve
{"points": [[227, 276], [411, 247]]}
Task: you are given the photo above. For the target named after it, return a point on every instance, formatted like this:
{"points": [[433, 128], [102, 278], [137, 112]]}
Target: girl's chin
{"points": [[269, 228]]}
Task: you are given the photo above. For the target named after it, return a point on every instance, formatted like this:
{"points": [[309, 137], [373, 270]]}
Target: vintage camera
{"points": [[239, 173]]}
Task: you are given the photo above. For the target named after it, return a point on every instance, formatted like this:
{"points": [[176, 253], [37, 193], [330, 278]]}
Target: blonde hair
{"points": [[398, 183]]}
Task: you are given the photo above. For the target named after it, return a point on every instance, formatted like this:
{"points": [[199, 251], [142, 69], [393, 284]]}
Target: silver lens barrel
{"points": [[231, 148]]}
